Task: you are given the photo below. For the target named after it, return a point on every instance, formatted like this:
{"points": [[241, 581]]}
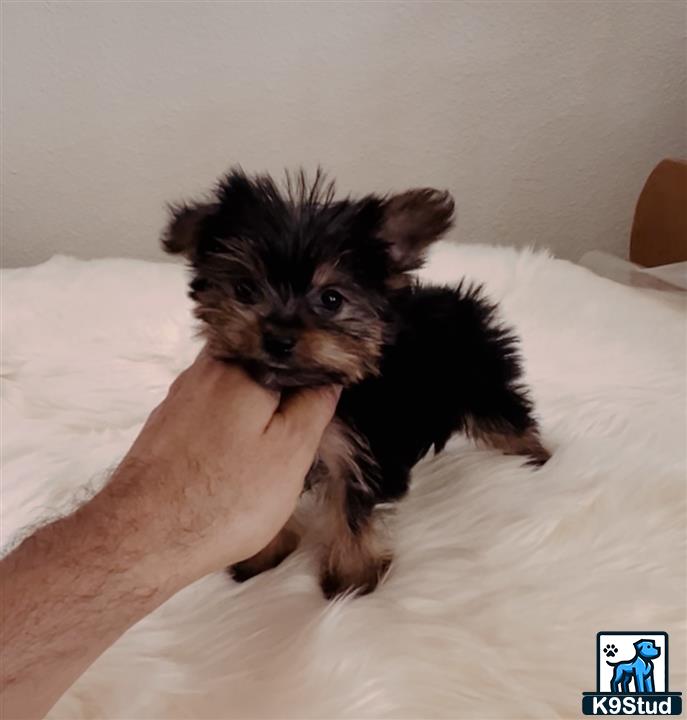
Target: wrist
{"points": [[149, 548], [170, 523]]}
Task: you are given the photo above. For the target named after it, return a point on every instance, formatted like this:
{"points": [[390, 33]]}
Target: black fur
{"points": [[451, 366], [418, 363]]}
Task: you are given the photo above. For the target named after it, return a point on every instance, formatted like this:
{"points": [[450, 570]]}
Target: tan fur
{"points": [[399, 281], [352, 560], [231, 329], [527, 444], [354, 358], [181, 234], [413, 220], [281, 546], [325, 275], [235, 329], [337, 453]]}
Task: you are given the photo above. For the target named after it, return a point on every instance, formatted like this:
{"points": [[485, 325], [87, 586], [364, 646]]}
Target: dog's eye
{"points": [[245, 291], [331, 300]]}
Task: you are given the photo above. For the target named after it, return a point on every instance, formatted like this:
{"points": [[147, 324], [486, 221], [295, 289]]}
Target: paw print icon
{"points": [[610, 650]]}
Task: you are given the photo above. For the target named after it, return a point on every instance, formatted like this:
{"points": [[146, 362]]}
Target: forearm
{"points": [[214, 474], [70, 590]]}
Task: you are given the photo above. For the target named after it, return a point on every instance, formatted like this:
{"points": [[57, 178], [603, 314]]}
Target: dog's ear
{"points": [[183, 231], [412, 221], [235, 197]]}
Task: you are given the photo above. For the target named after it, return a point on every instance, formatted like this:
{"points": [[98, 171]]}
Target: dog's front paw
{"points": [[269, 557], [335, 582]]}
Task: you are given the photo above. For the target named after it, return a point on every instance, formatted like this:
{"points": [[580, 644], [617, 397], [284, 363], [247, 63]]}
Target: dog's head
{"points": [[294, 284], [647, 649]]}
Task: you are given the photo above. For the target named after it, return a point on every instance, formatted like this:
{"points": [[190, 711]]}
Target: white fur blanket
{"points": [[502, 576]]}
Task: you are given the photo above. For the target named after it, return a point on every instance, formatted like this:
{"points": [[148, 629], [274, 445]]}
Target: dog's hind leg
{"points": [[511, 442], [504, 421], [491, 400]]}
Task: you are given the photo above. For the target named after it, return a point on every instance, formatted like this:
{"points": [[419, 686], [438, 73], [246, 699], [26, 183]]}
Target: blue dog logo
{"points": [[638, 686], [640, 669]]}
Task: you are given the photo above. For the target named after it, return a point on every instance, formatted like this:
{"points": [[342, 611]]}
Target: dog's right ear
{"points": [[183, 232]]}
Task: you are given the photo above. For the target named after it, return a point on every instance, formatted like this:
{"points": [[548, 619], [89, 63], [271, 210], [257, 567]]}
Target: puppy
{"points": [[302, 289]]}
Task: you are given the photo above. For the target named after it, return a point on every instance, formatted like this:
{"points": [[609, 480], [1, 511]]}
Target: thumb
{"points": [[307, 412]]}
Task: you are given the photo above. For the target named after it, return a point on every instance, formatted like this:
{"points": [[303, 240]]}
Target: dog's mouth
{"points": [[280, 375]]}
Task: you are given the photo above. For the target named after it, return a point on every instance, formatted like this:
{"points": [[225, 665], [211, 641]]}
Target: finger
{"points": [[307, 413], [220, 382], [235, 391]]}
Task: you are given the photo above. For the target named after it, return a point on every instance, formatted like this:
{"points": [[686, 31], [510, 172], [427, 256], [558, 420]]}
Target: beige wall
{"points": [[543, 118]]}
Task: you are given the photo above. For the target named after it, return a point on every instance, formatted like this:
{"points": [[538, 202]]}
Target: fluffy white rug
{"points": [[502, 575]]}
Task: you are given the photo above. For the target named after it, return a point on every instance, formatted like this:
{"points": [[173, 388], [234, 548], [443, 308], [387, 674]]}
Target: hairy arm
{"points": [[68, 592], [213, 476]]}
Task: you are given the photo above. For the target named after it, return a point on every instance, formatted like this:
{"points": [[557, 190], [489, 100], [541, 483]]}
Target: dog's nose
{"points": [[278, 346]]}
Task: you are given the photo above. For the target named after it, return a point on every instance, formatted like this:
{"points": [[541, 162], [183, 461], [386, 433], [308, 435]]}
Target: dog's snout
{"points": [[278, 345]]}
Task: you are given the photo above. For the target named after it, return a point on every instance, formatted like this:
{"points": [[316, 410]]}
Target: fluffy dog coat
{"points": [[302, 289]]}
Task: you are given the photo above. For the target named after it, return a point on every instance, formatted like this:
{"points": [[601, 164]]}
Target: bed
{"points": [[502, 575]]}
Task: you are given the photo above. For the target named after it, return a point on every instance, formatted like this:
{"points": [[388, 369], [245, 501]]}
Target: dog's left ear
{"points": [[412, 221], [182, 233]]}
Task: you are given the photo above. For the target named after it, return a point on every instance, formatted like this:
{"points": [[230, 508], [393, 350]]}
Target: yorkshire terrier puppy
{"points": [[302, 289]]}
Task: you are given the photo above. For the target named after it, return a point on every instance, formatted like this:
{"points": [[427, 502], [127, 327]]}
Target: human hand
{"points": [[213, 476], [218, 467]]}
